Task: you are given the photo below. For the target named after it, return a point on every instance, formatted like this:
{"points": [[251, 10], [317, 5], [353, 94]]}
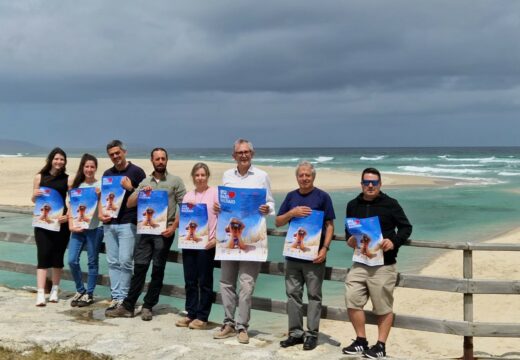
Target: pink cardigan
{"points": [[208, 197]]}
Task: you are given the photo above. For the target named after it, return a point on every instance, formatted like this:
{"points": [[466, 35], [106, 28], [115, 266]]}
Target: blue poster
{"points": [[83, 204], [241, 228], [48, 207], [368, 235], [112, 194], [193, 226], [303, 236], [152, 211]]}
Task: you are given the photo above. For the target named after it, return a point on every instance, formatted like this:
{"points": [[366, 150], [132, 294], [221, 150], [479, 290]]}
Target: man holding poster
{"points": [[150, 246], [119, 232], [377, 281], [246, 176], [298, 206]]}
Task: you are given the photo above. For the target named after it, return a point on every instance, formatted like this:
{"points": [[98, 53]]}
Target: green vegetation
{"points": [[37, 353]]}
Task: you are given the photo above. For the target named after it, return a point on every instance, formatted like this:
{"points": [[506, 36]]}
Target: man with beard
{"points": [[374, 282], [152, 247]]}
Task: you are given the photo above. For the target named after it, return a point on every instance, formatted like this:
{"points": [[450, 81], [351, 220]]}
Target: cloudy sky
{"points": [[281, 73]]}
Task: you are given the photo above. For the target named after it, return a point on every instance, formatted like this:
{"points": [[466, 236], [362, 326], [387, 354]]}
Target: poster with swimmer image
{"points": [[368, 235], [193, 226], [303, 236], [48, 207], [241, 228], [152, 211], [83, 204], [112, 194]]}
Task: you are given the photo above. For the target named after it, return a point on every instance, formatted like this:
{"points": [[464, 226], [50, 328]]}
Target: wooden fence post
{"points": [[468, 301]]}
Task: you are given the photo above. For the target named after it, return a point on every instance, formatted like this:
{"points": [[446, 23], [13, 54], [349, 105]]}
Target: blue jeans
{"points": [[91, 239], [120, 242]]}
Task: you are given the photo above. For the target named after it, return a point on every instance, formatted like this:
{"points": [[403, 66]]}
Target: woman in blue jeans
{"points": [[85, 238]]}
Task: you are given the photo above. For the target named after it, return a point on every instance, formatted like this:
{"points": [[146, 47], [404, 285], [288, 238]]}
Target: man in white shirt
{"points": [[245, 175]]}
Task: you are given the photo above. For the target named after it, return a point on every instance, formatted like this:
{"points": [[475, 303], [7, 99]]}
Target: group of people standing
{"points": [[129, 256]]}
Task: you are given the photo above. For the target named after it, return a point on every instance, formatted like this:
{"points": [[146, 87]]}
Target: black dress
{"points": [[51, 245]]}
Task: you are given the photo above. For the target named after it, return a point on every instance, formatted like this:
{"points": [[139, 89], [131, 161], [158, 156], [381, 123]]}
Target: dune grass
{"points": [[37, 353]]}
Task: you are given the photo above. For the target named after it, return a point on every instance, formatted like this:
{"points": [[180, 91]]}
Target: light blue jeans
{"points": [[120, 242], [89, 239]]}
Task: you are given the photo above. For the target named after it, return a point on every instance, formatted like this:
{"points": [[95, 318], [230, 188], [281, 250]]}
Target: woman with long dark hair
{"points": [[51, 245], [81, 238]]}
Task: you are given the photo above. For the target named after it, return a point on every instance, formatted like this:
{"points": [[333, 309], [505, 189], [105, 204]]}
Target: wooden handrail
{"points": [[465, 285]]}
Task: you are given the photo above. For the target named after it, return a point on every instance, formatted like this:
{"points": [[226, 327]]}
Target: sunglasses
{"points": [[368, 182]]}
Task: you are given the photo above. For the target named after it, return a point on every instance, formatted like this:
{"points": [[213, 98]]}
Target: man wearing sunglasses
{"points": [[376, 282]]}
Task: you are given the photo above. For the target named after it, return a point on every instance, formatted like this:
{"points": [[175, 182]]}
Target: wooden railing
{"points": [[465, 285]]}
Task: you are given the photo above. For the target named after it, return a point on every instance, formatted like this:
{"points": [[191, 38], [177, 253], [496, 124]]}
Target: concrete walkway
{"points": [[23, 325]]}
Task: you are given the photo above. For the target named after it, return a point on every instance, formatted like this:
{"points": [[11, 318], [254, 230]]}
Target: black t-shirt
{"points": [[136, 175]]}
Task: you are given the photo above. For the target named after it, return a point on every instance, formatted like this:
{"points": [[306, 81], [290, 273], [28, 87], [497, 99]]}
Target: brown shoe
{"points": [[146, 314], [243, 337], [119, 311], [184, 322], [225, 332], [198, 324]]}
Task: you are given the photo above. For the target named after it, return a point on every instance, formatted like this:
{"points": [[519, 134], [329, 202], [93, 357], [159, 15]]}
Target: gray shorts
{"points": [[376, 282]]}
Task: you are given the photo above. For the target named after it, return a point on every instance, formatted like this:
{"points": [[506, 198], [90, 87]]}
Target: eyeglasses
{"points": [[242, 153], [368, 182]]}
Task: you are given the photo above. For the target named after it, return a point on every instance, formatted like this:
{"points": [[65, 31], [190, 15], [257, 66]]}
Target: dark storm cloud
{"points": [[264, 69], [124, 48]]}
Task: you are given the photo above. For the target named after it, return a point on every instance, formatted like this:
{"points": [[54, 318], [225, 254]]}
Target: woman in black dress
{"points": [[51, 245]]}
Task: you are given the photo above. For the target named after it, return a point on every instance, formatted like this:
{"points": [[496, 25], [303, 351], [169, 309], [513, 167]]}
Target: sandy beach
{"points": [[17, 176], [18, 173], [441, 305]]}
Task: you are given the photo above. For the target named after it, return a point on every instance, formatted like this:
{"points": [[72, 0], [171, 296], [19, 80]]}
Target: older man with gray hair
{"points": [[244, 175], [300, 203]]}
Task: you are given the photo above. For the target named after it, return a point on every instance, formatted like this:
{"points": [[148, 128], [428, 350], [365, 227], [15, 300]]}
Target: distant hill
{"points": [[12, 147]]}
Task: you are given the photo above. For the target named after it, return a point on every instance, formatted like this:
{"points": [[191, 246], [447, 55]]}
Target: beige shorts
{"points": [[376, 282]]}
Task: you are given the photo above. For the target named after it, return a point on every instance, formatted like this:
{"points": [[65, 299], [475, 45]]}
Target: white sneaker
{"points": [[40, 298], [53, 298]]}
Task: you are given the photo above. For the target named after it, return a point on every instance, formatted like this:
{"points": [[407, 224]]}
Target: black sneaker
{"points": [[75, 299], [291, 341], [358, 347], [86, 300], [376, 352]]}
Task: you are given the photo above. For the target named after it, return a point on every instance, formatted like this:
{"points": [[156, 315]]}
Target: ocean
{"points": [[483, 202]]}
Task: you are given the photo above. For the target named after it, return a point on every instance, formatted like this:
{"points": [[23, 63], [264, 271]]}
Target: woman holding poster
{"points": [[198, 263], [50, 244], [86, 229]]}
